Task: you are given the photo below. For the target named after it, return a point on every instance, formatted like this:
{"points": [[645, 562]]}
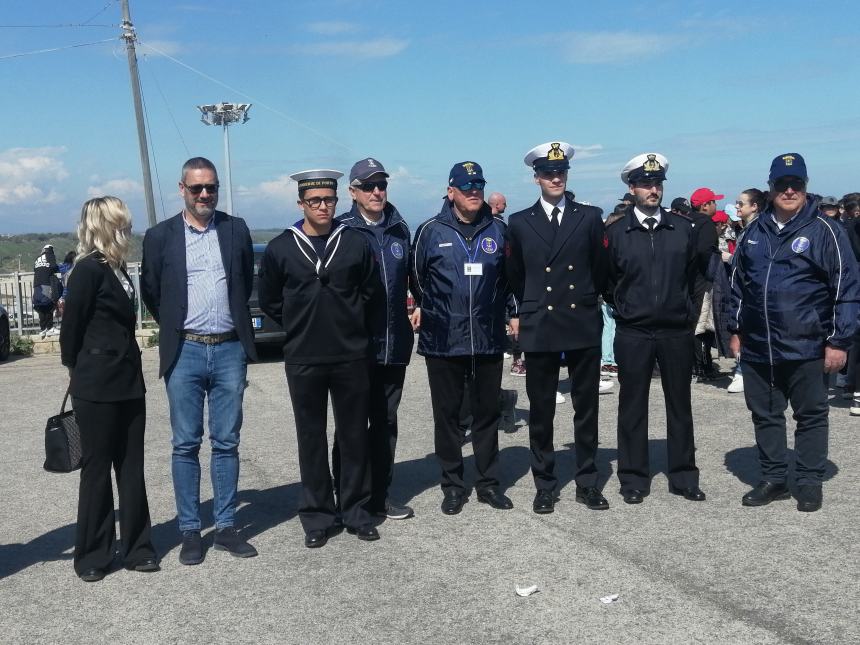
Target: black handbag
{"points": [[62, 441]]}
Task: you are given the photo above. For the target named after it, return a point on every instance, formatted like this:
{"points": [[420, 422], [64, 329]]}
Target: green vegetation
{"points": [[21, 345], [28, 246], [152, 341]]}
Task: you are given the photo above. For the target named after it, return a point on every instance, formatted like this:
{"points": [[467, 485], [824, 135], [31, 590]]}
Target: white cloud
{"points": [[587, 152], [159, 47], [332, 27], [125, 189], [29, 175], [604, 47], [378, 48]]}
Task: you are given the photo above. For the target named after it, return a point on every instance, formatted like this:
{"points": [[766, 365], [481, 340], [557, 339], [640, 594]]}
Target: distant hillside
{"points": [[28, 246]]}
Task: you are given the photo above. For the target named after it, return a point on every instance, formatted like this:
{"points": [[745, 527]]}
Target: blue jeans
{"points": [[607, 343], [216, 371]]}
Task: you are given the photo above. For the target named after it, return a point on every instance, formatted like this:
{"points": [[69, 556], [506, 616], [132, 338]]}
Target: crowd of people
{"points": [[649, 291]]}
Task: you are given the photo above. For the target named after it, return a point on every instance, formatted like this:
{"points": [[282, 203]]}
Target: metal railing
{"points": [[16, 295]]}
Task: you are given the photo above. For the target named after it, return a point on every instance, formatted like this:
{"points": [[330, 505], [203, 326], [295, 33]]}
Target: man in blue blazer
{"points": [[198, 269]]}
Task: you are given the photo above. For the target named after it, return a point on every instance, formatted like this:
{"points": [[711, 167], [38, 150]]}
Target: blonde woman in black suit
{"points": [[99, 348]]}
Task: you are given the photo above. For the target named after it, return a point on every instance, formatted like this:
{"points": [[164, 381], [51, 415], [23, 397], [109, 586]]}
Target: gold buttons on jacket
{"points": [[548, 269], [549, 307], [572, 306], [571, 287], [570, 267], [549, 288]]}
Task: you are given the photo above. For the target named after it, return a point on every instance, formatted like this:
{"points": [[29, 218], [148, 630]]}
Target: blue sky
{"points": [[720, 89]]}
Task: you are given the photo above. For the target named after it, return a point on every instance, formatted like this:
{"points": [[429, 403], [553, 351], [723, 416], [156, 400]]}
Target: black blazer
{"points": [[557, 277], [164, 280], [97, 335]]}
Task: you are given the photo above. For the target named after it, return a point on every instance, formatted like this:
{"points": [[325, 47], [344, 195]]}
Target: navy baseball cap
{"points": [[790, 164], [464, 173], [363, 169]]}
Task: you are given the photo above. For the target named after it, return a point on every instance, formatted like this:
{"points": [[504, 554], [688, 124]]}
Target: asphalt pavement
{"points": [[684, 572]]}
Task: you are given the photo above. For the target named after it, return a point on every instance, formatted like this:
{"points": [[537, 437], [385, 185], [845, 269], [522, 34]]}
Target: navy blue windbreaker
{"points": [[388, 322], [794, 290], [461, 315]]}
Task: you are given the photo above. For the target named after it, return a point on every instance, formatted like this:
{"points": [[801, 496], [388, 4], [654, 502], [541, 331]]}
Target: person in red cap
{"points": [[704, 203]]}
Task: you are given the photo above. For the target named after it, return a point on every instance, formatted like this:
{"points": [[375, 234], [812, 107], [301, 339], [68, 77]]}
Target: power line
{"points": [[100, 11], [54, 26], [57, 49], [152, 145], [167, 105], [256, 101]]}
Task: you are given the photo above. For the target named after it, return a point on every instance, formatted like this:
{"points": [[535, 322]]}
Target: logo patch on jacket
{"points": [[397, 250], [488, 245], [799, 244]]}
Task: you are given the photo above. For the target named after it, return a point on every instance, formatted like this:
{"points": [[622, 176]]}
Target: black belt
{"points": [[102, 352], [210, 339]]}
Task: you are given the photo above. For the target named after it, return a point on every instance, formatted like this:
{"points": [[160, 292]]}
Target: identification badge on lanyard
{"points": [[473, 268]]}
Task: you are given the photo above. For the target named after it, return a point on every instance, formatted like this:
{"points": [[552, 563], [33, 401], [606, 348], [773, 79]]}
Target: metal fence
{"points": [[16, 295]]}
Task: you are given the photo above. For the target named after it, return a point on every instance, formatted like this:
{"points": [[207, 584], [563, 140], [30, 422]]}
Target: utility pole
{"points": [[129, 36], [224, 114]]}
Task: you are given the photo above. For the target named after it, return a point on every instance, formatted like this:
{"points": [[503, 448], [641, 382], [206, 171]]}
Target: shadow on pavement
{"points": [[56, 544], [743, 463], [258, 511]]}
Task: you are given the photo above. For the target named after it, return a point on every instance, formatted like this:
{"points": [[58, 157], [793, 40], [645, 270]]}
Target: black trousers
{"points": [[46, 317], [386, 390], [111, 435], [583, 367], [447, 377], [635, 356], [802, 383], [309, 387]]}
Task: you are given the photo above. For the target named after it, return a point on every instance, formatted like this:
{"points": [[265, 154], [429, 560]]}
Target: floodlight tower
{"points": [[225, 114]]}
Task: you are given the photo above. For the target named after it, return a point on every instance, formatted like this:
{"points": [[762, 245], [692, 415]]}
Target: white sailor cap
{"points": [[553, 155], [648, 165], [319, 178]]}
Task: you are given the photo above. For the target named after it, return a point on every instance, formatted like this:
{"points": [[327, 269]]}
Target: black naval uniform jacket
{"points": [[557, 277], [652, 276], [322, 303]]}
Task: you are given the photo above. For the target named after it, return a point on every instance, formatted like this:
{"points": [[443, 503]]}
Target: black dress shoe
{"points": [[633, 496], [316, 538], [146, 565], [229, 540], [544, 502], [192, 548], [366, 532], [453, 503], [592, 498], [765, 493], [692, 493], [92, 575], [495, 499], [808, 498]]}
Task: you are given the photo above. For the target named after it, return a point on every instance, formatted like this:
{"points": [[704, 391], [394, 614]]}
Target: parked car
{"points": [[5, 338], [266, 330]]}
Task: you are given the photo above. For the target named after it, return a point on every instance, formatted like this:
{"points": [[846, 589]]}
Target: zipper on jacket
{"points": [[766, 317], [387, 297]]}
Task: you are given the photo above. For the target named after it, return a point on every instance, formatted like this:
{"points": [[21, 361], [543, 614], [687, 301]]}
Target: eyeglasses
{"points": [[472, 185], [784, 183], [316, 202], [369, 186], [196, 189]]}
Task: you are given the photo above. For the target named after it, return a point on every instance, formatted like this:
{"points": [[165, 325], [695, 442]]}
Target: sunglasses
{"points": [[472, 185], [784, 183], [369, 186], [316, 202], [196, 189]]}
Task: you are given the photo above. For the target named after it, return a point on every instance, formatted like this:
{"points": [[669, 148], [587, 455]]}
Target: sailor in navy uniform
{"points": [[556, 266], [652, 273], [317, 280]]}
